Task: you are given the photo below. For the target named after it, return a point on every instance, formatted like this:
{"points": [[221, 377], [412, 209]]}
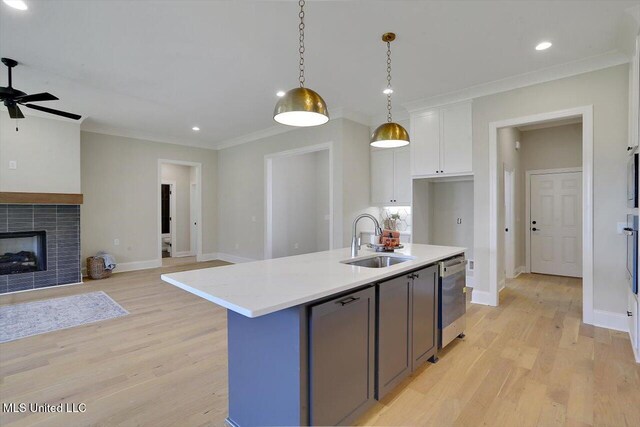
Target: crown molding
{"points": [[594, 63], [354, 116], [134, 134]]}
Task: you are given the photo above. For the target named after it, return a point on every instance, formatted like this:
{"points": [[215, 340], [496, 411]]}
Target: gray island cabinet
{"points": [[313, 340]]}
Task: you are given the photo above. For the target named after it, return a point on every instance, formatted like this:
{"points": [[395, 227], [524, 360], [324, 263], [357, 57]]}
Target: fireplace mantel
{"points": [[41, 198]]}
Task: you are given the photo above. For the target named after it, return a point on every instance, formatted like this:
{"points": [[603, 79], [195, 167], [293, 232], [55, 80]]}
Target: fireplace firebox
{"points": [[23, 252]]}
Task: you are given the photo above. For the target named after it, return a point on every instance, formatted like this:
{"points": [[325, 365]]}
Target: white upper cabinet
{"points": [[425, 143], [441, 141], [390, 177]]}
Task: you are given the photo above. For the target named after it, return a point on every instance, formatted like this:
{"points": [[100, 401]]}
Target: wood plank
{"points": [[526, 363], [41, 198]]}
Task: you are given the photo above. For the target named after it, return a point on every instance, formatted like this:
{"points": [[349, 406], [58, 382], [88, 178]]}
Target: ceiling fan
{"points": [[13, 97]]}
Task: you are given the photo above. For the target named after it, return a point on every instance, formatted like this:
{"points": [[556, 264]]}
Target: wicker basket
{"points": [[95, 268]]}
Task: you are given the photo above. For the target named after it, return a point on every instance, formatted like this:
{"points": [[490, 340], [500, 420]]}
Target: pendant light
{"points": [[301, 106], [390, 134]]}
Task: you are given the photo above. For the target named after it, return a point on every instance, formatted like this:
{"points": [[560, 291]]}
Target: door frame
{"points": [[198, 168], [510, 248], [172, 215], [268, 191], [586, 113], [527, 207]]}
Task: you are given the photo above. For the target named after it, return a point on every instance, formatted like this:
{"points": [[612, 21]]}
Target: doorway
{"points": [[583, 116], [179, 211], [554, 208], [299, 201]]}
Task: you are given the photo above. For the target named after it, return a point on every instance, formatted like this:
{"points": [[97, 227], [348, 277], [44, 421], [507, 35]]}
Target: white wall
{"points": [[181, 224], [241, 183], [120, 185], [552, 148], [607, 91], [47, 152], [448, 202], [300, 200]]}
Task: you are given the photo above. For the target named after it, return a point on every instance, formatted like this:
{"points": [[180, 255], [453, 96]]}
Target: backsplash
{"points": [[404, 223]]}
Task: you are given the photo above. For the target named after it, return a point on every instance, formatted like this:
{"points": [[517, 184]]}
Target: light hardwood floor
{"points": [[530, 362]]}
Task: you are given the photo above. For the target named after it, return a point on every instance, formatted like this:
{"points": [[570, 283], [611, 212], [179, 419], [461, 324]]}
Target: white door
{"points": [[425, 143], [402, 176], [509, 229], [556, 224], [382, 164], [456, 139]]}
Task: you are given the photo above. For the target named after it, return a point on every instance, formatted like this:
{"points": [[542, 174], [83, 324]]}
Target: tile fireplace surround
{"points": [[62, 226]]}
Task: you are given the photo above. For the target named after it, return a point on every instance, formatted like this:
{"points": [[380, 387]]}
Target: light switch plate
{"points": [[13, 164]]}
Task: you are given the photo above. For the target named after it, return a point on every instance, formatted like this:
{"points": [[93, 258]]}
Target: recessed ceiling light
{"points": [[543, 45], [195, 128], [16, 4], [280, 94], [388, 91]]}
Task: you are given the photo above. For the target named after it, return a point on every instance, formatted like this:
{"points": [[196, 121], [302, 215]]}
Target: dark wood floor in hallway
{"points": [[529, 362]]}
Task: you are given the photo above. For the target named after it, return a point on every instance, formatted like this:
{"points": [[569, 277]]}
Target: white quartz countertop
{"points": [[261, 287]]}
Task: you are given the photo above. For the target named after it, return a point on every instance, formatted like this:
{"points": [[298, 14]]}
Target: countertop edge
{"points": [[310, 298]]}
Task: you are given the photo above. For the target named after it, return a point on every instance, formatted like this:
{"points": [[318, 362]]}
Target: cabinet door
{"points": [[424, 311], [394, 359], [456, 138], [402, 176], [382, 164], [341, 352], [425, 143]]}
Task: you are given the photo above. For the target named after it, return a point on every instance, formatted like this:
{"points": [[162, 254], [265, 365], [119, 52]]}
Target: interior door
{"points": [[166, 208], [509, 226], [193, 216], [556, 224]]}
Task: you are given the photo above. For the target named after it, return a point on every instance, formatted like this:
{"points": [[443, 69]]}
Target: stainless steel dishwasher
{"points": [[452, 297]]}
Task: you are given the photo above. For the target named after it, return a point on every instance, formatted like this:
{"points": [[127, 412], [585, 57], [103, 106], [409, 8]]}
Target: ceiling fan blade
{"points": [[52, 111], [14, 112], [44, 96]]}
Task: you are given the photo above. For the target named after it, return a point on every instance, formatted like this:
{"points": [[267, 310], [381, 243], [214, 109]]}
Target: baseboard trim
{"points": [[502, 285], [183, 254], [42, 289], [207, 257], [636, 352], [233, 258], [610, 320], [519, 271], [481, 297], [137, 265]]}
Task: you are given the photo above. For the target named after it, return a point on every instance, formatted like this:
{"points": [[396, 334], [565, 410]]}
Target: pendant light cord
{"points": [[389, 82], [301, 48]]}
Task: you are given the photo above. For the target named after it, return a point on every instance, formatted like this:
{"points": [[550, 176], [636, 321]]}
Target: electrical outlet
{"points": [[13, 164], [296, 246], [237, 245], [116, 242]]}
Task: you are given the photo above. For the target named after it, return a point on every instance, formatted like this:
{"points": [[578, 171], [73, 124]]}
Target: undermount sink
{"points": [[379, 261]]}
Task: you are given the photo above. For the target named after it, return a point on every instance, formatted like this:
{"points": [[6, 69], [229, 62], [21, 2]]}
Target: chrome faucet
{"points": [[355, 240]]}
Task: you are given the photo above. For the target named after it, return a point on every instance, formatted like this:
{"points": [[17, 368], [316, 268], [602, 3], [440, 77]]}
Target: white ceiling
{"points": [[157, 68]]}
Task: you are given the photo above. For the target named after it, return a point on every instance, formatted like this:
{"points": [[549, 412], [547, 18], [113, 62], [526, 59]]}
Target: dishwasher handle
{"points": [[448, 269]]}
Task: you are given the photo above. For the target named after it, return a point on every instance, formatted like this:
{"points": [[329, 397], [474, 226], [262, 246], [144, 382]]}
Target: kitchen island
{"points": [[314, 339]]}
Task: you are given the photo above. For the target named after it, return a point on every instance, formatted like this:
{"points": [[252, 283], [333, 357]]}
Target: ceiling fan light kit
{"points": [[390, 134], [301, 106], [13, 98]]}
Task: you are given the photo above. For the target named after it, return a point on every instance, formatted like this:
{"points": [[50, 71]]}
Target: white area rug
{"points": [[38, 317]]}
